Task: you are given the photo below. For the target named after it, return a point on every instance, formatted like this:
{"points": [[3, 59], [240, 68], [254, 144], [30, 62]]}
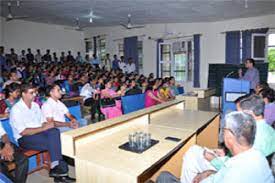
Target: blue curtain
{"points": [[247, 36], [196, 83], [95, 45], [158, 52], [232, 47], [131, 49]]}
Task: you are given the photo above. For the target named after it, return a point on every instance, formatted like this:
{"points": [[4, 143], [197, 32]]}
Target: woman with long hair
{"points": [[152, 95], [111, 109], [12, 92]]}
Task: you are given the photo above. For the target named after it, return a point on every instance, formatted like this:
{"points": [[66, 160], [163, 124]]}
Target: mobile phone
{"points": [[210, 151], [173, 139]]}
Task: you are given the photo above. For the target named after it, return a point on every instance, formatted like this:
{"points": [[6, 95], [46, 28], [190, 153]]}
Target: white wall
{"points": [[212, 41], [20, 35], [1, 30]]}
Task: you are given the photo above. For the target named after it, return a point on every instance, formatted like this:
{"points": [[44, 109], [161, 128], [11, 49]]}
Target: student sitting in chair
{"points": [[33, 133], [12, 92], [54, 111], [10, 153]]}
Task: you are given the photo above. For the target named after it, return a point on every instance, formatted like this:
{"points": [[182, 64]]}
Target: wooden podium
{"points": [[198, 100]]}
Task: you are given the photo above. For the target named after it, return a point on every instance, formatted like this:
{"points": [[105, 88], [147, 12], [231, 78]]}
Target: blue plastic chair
{"points": [[76, 111], [7, 127], [133, 103], [181, 90], [4, 179]]}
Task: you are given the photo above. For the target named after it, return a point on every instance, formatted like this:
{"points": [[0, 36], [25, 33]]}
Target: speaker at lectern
{"points": [[233, 89]]}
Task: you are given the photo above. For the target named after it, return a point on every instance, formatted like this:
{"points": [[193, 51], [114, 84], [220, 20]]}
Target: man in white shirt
{"points": [[91, 97], [10, 153], [54, 111], [197, 159], [38, 56], [32, 132], [130, 66], [22, 56], [247, 165], [122, 65], [107, 62]]}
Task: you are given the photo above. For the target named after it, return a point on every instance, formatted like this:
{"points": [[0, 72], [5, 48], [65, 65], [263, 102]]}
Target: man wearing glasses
{"points": [[199, 162], [33, 133]]}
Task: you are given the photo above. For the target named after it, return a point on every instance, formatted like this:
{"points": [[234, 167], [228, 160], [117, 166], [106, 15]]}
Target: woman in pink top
{"points": [[151, 95], [108, 92]]}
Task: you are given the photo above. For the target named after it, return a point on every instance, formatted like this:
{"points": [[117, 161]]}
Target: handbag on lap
{"points": [[107, 102]]}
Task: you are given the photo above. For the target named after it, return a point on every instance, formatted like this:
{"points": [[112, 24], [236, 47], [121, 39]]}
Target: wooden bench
{"points": [[42, 160]]}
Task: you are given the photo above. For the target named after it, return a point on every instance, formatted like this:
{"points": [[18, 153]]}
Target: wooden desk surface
{"points": [[76, 98], [96, 147], [182, 119], [104, 152], [69, 138]]}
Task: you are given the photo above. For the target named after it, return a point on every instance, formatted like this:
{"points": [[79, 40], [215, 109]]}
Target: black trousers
{"points": [[21, 166], [95, 106]]}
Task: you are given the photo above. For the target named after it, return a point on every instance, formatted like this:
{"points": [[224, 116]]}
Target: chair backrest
{"points": [[7, 127], [133, 103], [76, 111], [181, 90], [4, 178]]}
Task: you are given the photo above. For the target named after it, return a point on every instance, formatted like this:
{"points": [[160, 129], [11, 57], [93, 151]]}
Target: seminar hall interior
{"points": [[137, 91]]}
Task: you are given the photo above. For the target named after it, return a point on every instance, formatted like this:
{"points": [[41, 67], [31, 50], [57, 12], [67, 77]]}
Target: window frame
{"points": [[266, 51], [252, 46], [173, 71], [101, 47]]}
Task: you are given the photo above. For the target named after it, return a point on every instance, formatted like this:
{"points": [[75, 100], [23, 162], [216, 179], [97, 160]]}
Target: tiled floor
{"points": [[42, 176]]}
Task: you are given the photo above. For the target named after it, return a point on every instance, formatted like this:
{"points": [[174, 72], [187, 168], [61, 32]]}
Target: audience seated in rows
{"points": [[37, 115], [34, 133]]}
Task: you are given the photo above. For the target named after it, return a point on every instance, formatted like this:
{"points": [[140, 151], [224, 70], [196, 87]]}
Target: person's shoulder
{"points": [[255, 69], [46, 103], [35, 105], [17, 106], [2, 102]]}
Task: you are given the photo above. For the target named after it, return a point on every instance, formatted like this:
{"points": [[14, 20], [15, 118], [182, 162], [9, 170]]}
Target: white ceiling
{"points": [[115, 12]]}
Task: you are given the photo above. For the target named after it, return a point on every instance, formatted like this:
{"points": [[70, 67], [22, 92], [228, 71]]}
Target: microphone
{"points": [[229, 74]]}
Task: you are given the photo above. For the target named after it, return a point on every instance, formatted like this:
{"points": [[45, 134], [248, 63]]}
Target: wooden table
{"points": [[98, 158]]}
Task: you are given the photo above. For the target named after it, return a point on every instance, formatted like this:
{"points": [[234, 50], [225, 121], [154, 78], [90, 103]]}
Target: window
{"points": [[165, 60], [101, 48], [190, 58], [271, 58], [120, 49], [140, 56], [89, 48], [241, 46], [176, 59], [258, 47]]}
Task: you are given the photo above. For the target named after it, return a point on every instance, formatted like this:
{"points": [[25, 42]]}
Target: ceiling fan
{"points": [[92, 16], [10, 16], [129, 24]]}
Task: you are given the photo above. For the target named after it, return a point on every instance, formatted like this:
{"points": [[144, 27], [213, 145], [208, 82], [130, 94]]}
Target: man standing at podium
{"points": [[252, 74]]}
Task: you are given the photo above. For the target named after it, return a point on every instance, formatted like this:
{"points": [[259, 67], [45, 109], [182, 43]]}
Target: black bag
{"points": [[107, 102]]}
